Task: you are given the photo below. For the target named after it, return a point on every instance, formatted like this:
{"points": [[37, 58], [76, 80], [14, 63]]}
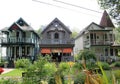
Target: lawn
{"points": [[15, 72]]}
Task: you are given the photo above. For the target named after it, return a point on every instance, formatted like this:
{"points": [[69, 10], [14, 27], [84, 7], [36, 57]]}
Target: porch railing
{"points": [[97, 42], [57, 41], [17, 40]]}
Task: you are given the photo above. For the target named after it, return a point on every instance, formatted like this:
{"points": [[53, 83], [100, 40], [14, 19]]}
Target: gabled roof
{"points": [[21, 19], [87, 28], [21, 25], [106, 21], [14, 26], [60, 23]]}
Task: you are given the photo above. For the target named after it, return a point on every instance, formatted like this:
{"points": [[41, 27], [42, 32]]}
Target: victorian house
{"points": [[21, 41], [56, 41], [99, 38]]}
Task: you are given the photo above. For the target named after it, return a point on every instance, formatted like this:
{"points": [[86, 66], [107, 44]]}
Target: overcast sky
{"points": [[37, 14]]}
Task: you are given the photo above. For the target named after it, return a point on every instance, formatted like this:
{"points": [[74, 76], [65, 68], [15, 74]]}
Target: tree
{"points": [[88, 57], [74, 33], [113, 6]]}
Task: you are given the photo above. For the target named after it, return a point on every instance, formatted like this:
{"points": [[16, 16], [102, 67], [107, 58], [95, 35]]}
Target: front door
{"points": [[56, 57]]}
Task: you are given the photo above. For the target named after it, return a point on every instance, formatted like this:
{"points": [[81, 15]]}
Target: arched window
{"points": [[56, 36]]}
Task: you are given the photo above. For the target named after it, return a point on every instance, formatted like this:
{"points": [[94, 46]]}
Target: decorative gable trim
{"points": [[14, 26], [56, 20]]}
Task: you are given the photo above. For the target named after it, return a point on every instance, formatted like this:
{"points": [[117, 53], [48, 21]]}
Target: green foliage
{"points": [[113, 6], [86, 55], [64, 66], [79, 78], [103, 73], [9, 81], [105, 66], [117, 74], [74, 33], [42, 69], [117, 64], [22, 63], [78, 66], [117, 35]]}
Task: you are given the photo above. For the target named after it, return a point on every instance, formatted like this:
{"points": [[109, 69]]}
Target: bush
{"points": [[8, 81], [64, 66], [79, 78], [117, 64], [78, 66], [22, 63], [105, 65], [117, 74]]}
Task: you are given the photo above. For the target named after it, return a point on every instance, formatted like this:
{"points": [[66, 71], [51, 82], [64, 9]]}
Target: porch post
{"points": [[20, 52], [25, 50], [15, 52], [11, 50]]}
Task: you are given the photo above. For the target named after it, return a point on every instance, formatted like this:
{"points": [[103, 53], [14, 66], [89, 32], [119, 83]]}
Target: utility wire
{"points": [[61, 7], [76, 6]]}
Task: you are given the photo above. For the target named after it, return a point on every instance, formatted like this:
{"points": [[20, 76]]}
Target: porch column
{"points": [[20, 52], [30, 51], [15, 52], [33, 51], [89, 39], [11, 50], [25, 50]]}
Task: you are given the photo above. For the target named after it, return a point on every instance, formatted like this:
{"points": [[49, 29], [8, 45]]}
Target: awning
{"points": [[45, 50], [56, 50], [67, 50]]}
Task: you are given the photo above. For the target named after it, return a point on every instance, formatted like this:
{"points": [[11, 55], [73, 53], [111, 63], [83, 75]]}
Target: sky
{"points": [[36, 13]]}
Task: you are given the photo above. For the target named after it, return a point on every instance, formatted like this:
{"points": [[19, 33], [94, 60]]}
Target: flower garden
{"points": [[43, 71]]}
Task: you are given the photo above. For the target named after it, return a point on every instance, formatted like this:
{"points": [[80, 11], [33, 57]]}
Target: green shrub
{"points": [[22, 63], [9, 81], [78, 66], [105, 65], [117, 74], [64, 66], [79, 78], [117, 64]]}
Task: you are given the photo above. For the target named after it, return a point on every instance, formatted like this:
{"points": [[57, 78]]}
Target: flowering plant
{"points": [[1, 70]]}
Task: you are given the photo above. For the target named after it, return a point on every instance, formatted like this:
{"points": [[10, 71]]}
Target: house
{"points": [[99, 38], [56, 41], [21, 41]]}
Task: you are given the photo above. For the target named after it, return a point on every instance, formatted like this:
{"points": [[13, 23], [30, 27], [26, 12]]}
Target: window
{"points": [[49, 35], [105, 36], [106, 52], [111, 52], [116, 52], [87, 37], [56, 36]]}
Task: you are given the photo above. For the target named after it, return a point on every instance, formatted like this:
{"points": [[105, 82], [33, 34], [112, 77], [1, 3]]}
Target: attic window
{"points": [[56, 25], [21, 23]]}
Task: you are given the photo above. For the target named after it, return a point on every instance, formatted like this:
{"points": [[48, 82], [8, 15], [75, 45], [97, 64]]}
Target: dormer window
{"points": [[56, 36], [56, 25], [21, 23]]}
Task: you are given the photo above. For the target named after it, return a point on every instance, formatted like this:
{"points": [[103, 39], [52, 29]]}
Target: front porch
{"points": [[106, 53]]}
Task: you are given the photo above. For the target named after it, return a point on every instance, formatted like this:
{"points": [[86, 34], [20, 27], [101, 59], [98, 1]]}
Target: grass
{"points": [[15, 72]]}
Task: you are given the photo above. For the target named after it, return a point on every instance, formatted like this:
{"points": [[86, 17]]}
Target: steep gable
{"points": [[21, 22], [56, 23], [14, 26], [92, 26], [106, 21]]}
